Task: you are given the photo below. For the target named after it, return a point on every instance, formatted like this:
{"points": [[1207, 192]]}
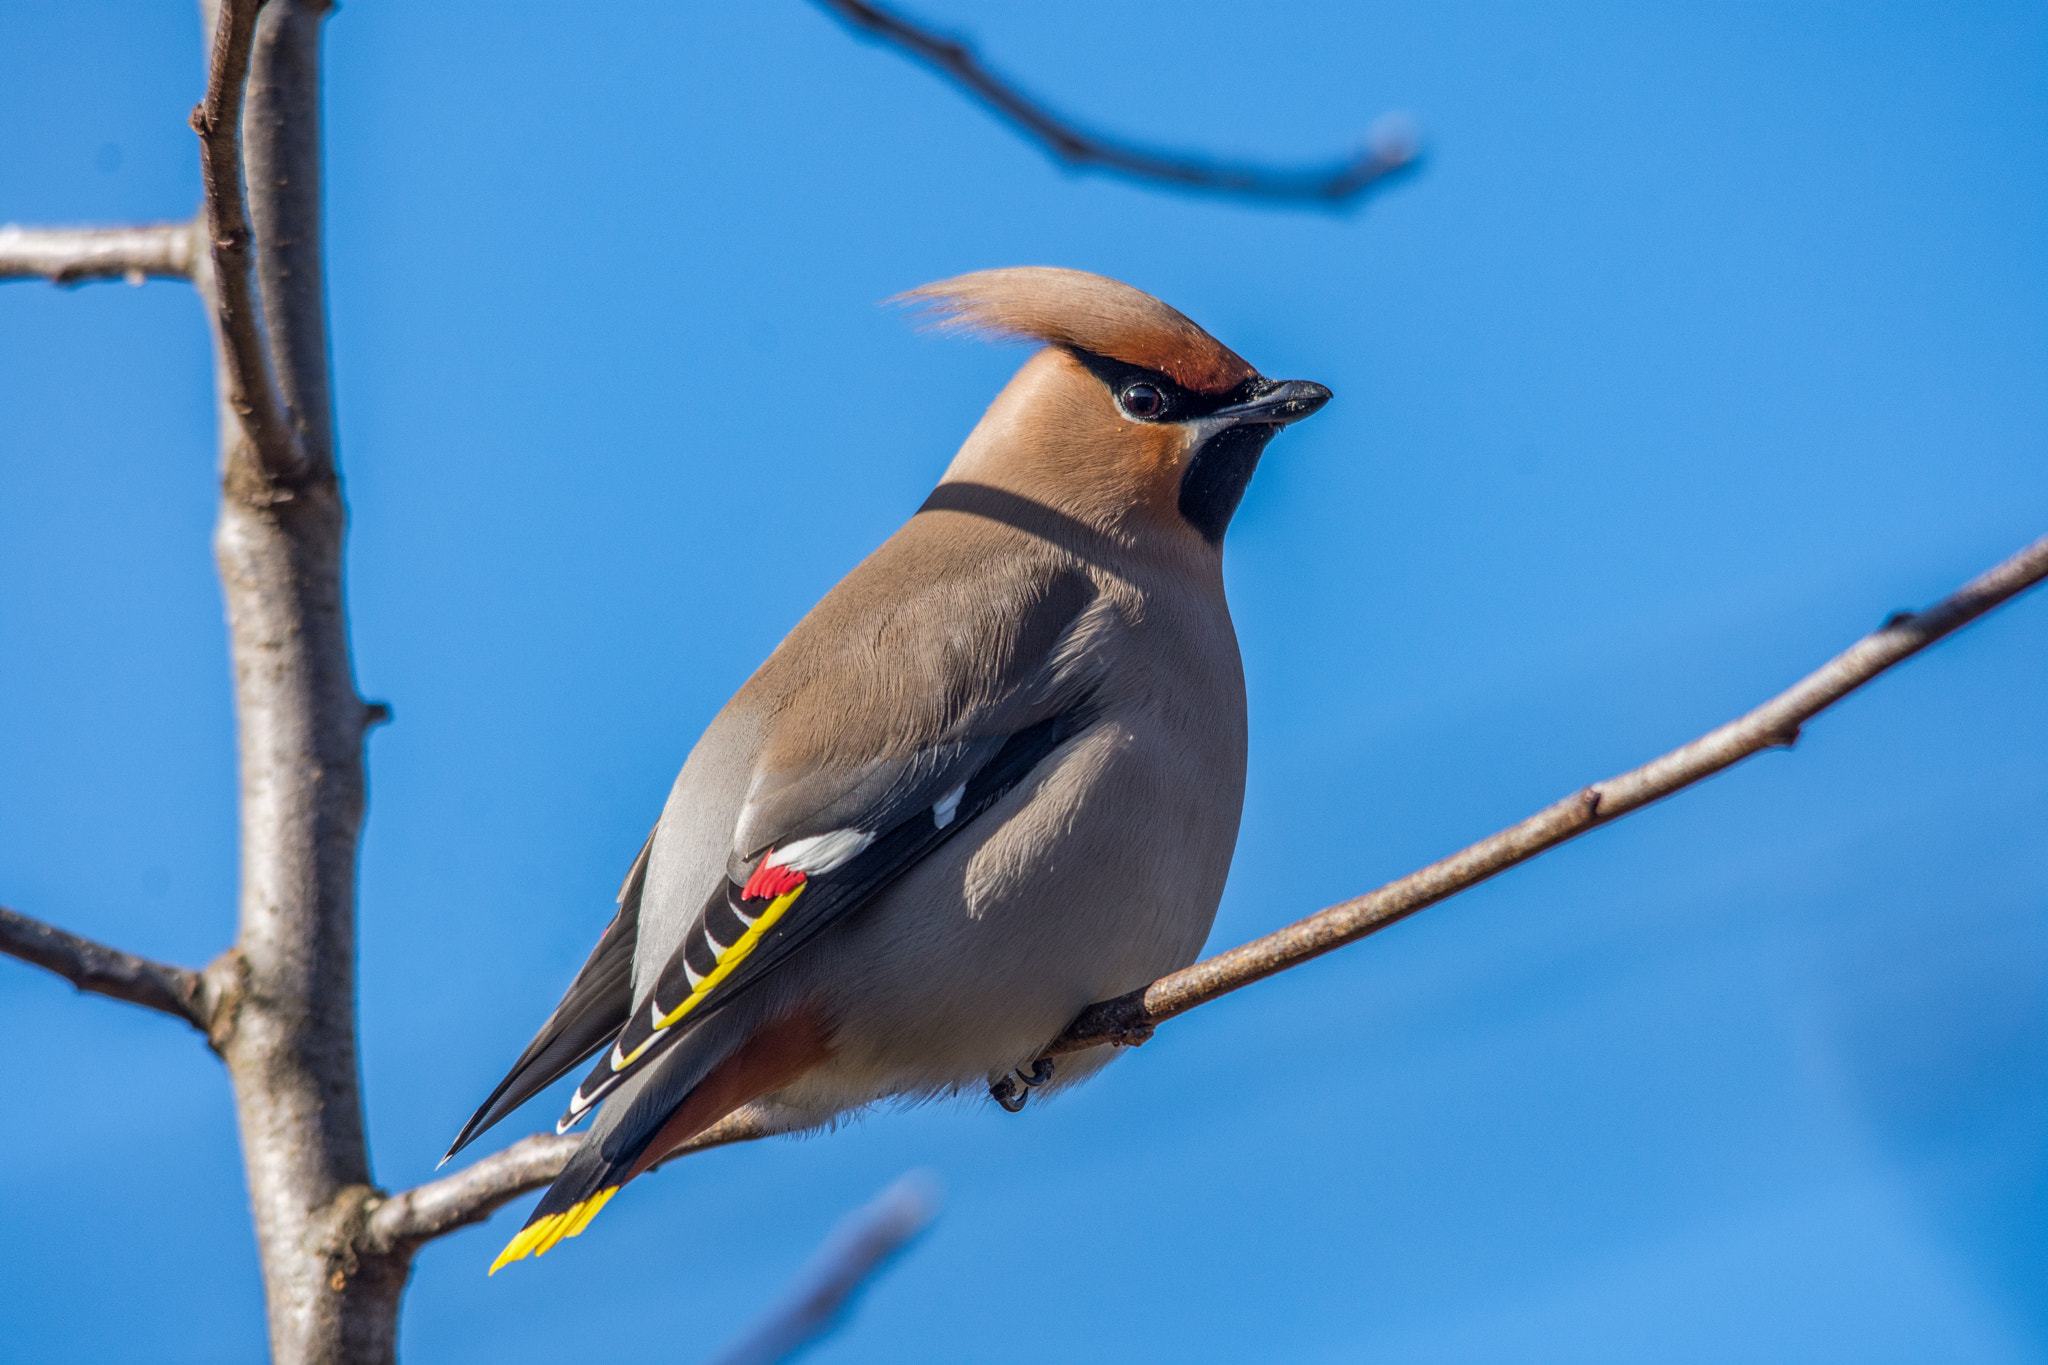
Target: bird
{"points": [[995, 775]]}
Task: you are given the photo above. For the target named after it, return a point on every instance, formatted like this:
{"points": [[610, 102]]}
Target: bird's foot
{"points": [[1011, 1095]]}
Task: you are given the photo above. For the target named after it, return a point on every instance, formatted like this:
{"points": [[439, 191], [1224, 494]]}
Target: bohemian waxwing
{"points": [[993, 777]]}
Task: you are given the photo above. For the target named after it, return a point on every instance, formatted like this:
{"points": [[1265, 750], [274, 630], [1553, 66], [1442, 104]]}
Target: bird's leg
{"points": [[1041, 1072]]}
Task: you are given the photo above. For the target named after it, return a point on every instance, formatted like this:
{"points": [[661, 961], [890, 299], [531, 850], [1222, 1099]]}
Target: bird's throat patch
{"points": [[1216, 478]]}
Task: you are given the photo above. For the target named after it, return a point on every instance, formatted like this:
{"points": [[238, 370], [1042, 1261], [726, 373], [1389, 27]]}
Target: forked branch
{"points": [[248, 379], [1391, 145], [76, 255], [107, 971]]}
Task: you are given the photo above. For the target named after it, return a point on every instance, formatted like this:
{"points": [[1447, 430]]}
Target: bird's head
{"points": [[1132, 418]]}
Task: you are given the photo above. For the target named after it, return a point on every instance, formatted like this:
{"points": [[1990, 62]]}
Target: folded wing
{"points": [[791, 894]]}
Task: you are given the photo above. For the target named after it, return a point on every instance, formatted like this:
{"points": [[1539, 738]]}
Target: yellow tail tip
{"points": [[537, 1237]]}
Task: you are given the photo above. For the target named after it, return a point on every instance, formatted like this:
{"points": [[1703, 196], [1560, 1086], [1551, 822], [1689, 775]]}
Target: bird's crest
{"points": [[1090, 312]]}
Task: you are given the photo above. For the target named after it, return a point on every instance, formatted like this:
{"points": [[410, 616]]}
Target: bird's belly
{"points": [[1099, 874]]}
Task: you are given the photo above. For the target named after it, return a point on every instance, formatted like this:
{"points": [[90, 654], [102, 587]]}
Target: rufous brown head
{"points": [[1131, 417]]}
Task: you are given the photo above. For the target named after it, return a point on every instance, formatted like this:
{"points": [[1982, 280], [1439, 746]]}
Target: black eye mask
{"points": [[1216, 478], [1180, 404]]}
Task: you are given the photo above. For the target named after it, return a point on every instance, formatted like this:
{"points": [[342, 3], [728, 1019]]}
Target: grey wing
{"points": [[769, 910], [808, 845]]}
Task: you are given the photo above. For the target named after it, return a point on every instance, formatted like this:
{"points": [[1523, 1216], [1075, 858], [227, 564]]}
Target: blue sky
{"points": [[1708, 336]]}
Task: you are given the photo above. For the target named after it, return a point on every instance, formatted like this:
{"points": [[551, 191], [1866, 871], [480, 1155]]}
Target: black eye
{"points": [[1142, 401]]}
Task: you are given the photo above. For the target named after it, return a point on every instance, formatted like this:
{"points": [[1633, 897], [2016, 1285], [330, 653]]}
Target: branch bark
{"points": [[281, 141], [249, 382], [478, 1190], [1130, 1019], [77, 255], [108, 971], [1391, 145], [469, 1196], [290, 1043]]}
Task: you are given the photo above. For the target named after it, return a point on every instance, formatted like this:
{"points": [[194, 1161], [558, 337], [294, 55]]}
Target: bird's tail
{"points": [[632, 1121], [583, 1188], [625, 1127]]}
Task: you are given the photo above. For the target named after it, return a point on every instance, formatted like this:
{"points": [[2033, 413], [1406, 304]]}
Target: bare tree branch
{"points": [[107, 971], [1391, 145], [281, 133], [470, 1195], [76, 255], [249, 384], [478, 1190], [1130, 1019], [857, 1250], [281, 1002], [290, 1041]]}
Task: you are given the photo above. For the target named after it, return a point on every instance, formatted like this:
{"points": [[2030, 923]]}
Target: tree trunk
{"points": [[288, 1031]]}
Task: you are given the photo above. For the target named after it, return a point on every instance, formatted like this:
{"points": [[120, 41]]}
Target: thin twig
{"points": [[76, 255], [107, 971], [857, 1251], [1391, 145], [1131, 1018], [249, 382], [476, 1191]]}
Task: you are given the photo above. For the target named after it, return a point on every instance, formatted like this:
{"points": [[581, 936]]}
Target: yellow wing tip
{"points": [[539, 1237]]}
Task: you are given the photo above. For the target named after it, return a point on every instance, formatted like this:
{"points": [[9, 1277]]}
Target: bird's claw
{"points": [[1012, 1096]]}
